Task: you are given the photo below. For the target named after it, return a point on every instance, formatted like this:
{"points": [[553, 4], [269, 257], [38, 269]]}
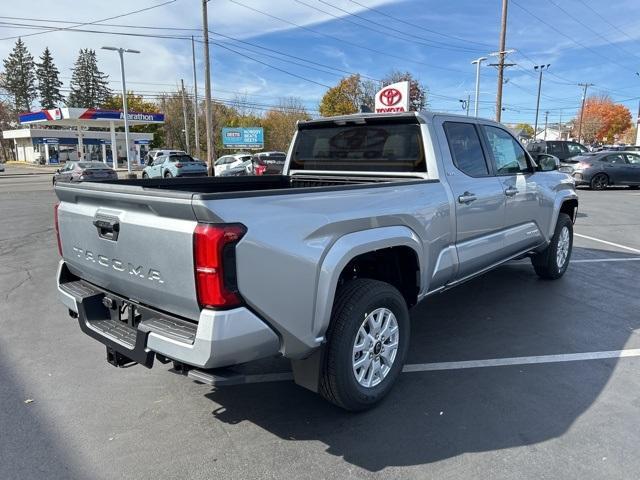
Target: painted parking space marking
{"points": [[624, 247], [602, 260], [492, 362]]}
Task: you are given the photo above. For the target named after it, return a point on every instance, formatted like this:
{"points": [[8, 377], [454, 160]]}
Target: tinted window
{"points": [[181, 158], [575, 148], [508, 154], [615, 159], [554, 148], [633, 158], [372, 147], [466, 149], [91, 165], [159, 160]]}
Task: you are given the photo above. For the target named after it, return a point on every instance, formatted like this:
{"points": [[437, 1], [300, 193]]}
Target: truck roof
{"points": [[425, 116]]}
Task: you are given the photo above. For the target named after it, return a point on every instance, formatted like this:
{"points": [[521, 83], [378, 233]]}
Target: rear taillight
{"points": [[179, 165], [215, 264], [260, 169], [55, 222], [584, 165]]}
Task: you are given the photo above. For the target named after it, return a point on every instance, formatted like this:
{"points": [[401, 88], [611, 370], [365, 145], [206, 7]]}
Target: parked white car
{"points": [[230, 161]]}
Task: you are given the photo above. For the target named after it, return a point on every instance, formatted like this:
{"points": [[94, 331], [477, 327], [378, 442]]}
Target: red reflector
{"points": [[260, 169], [179, 165], [55, 223], [209, 242]]}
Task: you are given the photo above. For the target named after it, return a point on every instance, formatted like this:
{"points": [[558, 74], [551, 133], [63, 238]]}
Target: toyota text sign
{"points": [[252, 137], [393, 98]]}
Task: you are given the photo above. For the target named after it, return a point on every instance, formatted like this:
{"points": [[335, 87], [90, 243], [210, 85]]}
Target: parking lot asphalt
{"points": [[532, 418]]}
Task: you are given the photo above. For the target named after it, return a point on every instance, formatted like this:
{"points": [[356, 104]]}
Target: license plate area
{"points": [[123, 311]]}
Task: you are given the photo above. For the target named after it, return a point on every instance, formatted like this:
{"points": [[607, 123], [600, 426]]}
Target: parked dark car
{"points": [[84, 172], [268, 163], [563, 149], [599, 170]]}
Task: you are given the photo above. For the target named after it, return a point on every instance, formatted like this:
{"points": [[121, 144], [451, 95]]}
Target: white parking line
{"points": [[624, 247], [600, 260], [493, 362]]}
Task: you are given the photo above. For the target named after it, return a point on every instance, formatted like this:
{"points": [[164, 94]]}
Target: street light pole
{"points": [[125, 110], [539, 68], [477, 62]]}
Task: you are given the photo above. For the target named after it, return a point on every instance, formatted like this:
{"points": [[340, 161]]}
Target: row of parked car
{"points": [[177, 163], [595, 169]]}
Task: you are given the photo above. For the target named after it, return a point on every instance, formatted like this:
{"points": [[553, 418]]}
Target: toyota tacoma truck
{"points": [[372, 214]]}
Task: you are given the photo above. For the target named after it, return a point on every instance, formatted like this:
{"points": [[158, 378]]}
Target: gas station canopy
{"points": [[88, 117]]}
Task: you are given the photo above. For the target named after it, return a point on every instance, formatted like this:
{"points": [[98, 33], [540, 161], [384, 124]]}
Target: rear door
{"points": [[633, 168], [615, 166], [523, 213], [478, 196]]}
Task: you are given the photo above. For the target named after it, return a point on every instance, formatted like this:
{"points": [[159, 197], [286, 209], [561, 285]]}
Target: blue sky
{"points": [[590, 41]]}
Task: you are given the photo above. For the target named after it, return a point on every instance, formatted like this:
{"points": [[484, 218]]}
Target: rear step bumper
{"points": [[220, 338]]}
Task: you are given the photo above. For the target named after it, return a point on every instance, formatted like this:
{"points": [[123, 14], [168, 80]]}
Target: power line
{"points": [[96, 21], [601, 17]]}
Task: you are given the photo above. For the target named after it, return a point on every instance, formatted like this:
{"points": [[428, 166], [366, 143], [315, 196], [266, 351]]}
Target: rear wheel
{"points": [[144, 175], [552, 262], [168, 175], [367, 344], [600, 181]]}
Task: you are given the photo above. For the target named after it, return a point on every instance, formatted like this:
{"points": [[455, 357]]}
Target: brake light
{"points": [[260, 169], [179, 165], [57, 227], [215, 268]]}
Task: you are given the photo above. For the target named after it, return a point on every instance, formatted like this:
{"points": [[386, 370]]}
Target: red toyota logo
{"points": [[390, 97]]}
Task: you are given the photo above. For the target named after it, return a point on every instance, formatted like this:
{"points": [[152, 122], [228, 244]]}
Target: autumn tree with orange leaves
{"points": [[603, 120]]}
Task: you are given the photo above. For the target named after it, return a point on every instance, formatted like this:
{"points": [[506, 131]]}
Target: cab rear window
{"points": [[376, 147]]}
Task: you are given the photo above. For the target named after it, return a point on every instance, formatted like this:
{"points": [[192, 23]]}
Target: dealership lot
{"points": [[537, 411]]}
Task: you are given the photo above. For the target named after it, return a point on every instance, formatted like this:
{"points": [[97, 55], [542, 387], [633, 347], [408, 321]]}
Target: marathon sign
{"points": [[393, 98], [54, 115]]}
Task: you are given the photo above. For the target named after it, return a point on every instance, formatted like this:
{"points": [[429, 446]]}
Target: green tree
{"points": [[417, 91], [343, 99], [19, 79], [48, 81], [89, 86], [524, 128]]}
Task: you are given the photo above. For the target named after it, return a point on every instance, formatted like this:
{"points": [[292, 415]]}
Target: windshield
{"points": [[371, 147], [92, 165]]}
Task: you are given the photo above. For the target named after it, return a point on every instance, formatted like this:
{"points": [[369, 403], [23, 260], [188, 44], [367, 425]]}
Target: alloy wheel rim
{"points": [[562, 252], [375, 347]]}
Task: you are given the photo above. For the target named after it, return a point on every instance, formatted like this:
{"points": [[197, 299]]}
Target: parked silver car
{"points": [[601, 169], [84, 172]]}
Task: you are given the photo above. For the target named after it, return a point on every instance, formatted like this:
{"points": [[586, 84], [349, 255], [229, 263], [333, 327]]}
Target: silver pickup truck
{"points": [[321, 265]]}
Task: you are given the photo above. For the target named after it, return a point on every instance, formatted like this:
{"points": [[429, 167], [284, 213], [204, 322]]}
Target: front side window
{"points": [[374, 146], [617, 159], [575, 148], [159, 160], [466, 150], [508, 155]]}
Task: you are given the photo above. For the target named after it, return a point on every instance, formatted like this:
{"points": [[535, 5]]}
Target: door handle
{"points": [[511, 191], [467, 198]]}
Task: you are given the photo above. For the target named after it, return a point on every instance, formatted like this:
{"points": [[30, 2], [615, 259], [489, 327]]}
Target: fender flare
{"points": [[557, 205], [342, 252]]}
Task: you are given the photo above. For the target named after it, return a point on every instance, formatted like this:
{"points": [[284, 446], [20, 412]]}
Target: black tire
{"points": [[545, 263], [168, 175], [144, 175], [599, 181], [354, 301], [634, 187]]}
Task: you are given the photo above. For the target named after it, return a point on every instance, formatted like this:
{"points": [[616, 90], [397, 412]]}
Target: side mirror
{"points": [[548, 164]]}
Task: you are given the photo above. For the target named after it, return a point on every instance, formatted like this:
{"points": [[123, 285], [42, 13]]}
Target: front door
{"points": [[478, 197], [525, 220], [632, 168]]}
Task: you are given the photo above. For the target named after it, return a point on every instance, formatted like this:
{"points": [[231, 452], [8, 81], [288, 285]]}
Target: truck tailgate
{"points": [[133, 242]]}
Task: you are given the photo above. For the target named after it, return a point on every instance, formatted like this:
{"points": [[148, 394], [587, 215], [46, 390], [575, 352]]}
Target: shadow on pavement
{"points": [[431, 416]]}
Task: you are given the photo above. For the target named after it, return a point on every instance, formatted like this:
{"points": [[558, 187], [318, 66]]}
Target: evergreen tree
{"points": [[48, 82], [89, 86], [19, 78]]}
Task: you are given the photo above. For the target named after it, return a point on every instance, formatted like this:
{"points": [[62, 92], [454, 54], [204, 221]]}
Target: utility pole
{"points": [[468, 102], [560, 126], [207, 89], [196, 131], [503, 41], [539, 68], [186, 122], [546, 119], [584, 98], [638, 125], [477, 62]]}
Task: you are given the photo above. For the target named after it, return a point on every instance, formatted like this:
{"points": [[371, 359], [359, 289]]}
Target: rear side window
{"points": [[466, 149], [554, 148], [377, 147]]}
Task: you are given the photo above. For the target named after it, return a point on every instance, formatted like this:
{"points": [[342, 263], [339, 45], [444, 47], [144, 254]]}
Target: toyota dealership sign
{"points": [[393, 98]]}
